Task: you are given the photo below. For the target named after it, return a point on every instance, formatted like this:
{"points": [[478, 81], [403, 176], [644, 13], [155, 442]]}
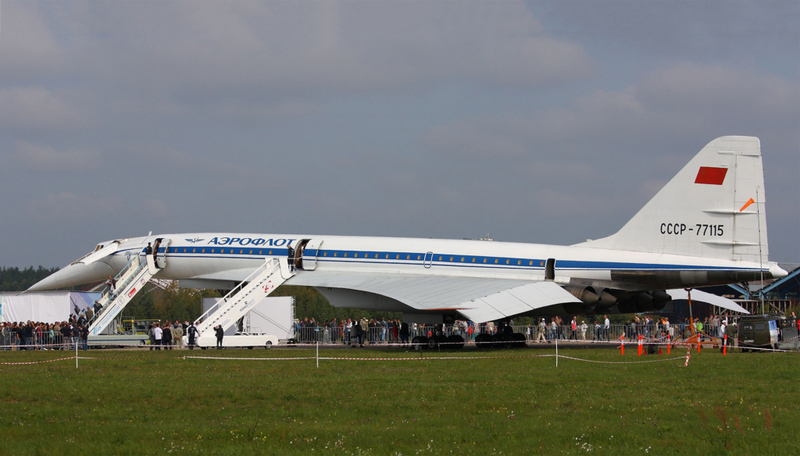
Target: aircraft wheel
{"points": [[418, 341], [249, 348], [481, 341], [202, 348], [432, 343], [268, 345], [458, 342], [519, 340]]}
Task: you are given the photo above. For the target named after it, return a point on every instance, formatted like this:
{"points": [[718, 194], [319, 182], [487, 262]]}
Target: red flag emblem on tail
{"points": [[711, 176]]}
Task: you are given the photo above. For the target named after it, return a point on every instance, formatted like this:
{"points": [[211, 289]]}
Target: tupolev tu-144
{"points": [[707, 226]]}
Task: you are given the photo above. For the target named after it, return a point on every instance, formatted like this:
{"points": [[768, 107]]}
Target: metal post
{"points": [[76, 354], [556, 351], [317, 331]]}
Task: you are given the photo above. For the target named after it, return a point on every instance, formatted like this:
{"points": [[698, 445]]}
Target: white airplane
{"points": [[707, 226]]}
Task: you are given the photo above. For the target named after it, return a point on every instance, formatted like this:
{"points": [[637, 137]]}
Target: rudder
{"points": [[713, 208]]}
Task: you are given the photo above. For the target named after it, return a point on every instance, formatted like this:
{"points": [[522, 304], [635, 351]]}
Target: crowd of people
{"points": [[358, 332], [169, 336], [45, 336], [352, 331]]}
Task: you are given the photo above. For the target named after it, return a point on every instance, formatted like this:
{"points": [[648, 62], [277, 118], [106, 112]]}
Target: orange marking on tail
{"points": [[747, 204]]}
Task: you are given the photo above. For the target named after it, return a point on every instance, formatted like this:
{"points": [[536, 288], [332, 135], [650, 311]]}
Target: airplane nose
{"points": [[74, 274]]}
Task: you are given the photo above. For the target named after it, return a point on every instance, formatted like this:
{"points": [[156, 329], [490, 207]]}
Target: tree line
{"points": [[16, 279], [186, 304]]}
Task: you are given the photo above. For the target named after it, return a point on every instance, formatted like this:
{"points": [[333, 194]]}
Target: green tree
{"points": [[14, 279]]}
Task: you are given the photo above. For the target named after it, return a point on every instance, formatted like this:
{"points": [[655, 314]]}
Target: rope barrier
{"points": [[618, 362], [247, 359], [39, 362]]}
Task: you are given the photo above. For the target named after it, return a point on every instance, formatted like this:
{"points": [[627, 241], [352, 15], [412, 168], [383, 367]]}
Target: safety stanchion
{"points": [[622, 345], [688, 354], [640, 345], [699, 342], [556, 351], [725, 345], [669, 344]]}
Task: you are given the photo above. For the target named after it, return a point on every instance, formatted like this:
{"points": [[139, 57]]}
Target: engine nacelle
{"points": [[588, 297], [644, 301]]}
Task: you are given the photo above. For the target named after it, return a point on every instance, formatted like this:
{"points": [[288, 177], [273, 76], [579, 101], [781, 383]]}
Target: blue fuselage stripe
{"points": [[420, 258]]}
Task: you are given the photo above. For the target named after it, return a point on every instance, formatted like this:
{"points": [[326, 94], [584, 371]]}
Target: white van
{"points": [[243, 340]]}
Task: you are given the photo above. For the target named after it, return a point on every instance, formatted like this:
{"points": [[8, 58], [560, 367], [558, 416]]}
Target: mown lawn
{"points": [[141, 402]]}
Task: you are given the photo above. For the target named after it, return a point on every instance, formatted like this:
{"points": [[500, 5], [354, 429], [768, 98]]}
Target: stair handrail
{"points": [[267, 264], [112, 297], [120, 274]]}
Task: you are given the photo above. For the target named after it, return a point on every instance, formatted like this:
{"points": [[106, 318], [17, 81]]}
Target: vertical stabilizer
{"points": [[713, 208]]}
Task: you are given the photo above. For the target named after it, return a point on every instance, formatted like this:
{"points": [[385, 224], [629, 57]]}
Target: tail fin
{"points": [[713, 208]]}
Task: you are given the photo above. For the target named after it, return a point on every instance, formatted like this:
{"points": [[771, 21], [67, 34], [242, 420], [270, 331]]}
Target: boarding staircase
{"points": [[130, 281], [245, 296]]}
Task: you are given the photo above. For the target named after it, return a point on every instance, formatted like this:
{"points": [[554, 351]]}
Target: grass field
{"points": [[141, 402]]}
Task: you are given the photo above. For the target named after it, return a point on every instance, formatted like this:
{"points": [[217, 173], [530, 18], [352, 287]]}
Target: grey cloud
{"points": [[547, 122], [38, 109], [68, 209], [29, 47], [46, 159], [237, 49]]}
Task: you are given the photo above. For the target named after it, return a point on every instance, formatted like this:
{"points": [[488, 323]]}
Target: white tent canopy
{"points": [[47, 307]]}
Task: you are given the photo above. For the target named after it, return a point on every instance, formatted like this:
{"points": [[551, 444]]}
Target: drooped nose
{"points": [[74, 274]]}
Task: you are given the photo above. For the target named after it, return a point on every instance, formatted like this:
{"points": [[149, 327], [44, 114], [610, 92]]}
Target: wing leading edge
{"points": [[478, 300], [708, 298]]}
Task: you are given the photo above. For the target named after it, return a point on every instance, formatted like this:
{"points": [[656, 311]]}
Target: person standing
{"points": [[404, 333], [177, 335], [542, 328], [76, 333], [290, 257], [364, 328], [158, 335], [219, 333], [155, 253], [111, 285], [606, 328], [151, 334], [84, 337], [166, 336], [192, 336]]}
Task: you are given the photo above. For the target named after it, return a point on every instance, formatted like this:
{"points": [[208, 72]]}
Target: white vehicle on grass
{"points": [[243, 340]]}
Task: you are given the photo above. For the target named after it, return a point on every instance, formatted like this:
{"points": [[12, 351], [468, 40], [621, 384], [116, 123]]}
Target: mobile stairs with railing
{"points": [[130, 281], [242, 299]]}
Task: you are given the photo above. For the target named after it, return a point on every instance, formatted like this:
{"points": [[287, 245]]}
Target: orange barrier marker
{"points": [[698, 343], [622, 345], [688, 354], [669, 344], [640, 345], [725, 346]]}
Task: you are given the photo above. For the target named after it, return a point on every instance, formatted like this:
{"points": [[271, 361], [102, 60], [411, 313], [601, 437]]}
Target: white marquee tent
{"points": [[47, 307]]}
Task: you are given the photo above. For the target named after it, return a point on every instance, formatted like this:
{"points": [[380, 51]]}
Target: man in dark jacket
{"points": [[166, 336], [192, 336], [85, 337], [219, 332]]}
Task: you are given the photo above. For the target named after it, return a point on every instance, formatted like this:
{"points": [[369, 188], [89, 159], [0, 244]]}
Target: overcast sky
{"points": [[548, 122]]}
